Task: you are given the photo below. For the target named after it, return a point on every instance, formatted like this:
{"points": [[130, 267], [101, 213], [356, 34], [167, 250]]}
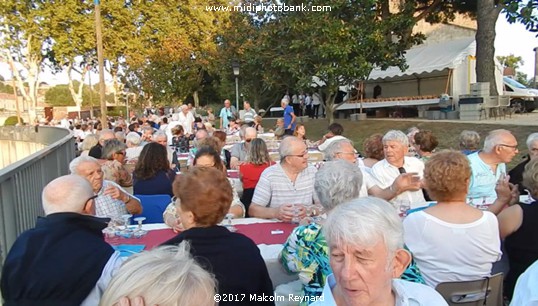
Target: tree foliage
{"points": [[356, 36], [510, 61]]}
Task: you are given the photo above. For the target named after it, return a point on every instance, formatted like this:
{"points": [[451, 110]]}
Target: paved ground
{"points": [[516, 119]]}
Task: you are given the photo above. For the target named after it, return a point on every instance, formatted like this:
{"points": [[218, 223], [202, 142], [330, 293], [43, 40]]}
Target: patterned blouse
{"points": [[115, 171], [306, 252]]}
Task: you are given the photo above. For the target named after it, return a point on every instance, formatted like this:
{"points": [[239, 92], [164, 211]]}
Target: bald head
{"points": [[250, 133], [68, 193]]}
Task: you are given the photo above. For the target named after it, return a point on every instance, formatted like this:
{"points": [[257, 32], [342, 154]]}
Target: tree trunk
{"points": [[76, 94], [328, 103], [196, 99], [29, 93], [487, 14]]}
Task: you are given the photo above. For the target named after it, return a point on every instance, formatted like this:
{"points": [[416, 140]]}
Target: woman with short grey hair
{"points": [[89, 142], [114, 166], [469, 142]]}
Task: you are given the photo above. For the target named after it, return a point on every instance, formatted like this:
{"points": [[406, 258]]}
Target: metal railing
{"points": [[21, 183]]}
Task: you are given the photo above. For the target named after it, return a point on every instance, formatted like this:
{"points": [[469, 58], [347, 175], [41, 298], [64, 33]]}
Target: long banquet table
{"points": [[269, 235]]}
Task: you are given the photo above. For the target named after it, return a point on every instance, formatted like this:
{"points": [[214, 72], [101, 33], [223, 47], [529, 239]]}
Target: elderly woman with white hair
{"points": [[132, 140], [166, 276], [306, 250], [114, 165], [365, 241], [89, 142]]}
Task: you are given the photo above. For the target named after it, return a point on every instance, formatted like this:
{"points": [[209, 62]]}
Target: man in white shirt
{"points": [[343, 149], [334, 133], [367, 257], [289, 183], [395, 147], [186, 119]]}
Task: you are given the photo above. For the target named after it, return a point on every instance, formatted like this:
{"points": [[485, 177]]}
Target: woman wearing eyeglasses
{"points": [[206, 157], [114, 166]]}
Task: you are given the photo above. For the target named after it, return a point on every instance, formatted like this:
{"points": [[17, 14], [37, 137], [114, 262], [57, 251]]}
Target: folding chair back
{"points": [[487, 291], [153, 207]]}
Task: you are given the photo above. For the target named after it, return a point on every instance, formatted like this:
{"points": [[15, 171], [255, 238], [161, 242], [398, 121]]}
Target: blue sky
{"points": [[511, 39]]}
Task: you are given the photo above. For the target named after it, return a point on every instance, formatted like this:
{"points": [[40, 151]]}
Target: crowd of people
{"points": [[384, 227]]}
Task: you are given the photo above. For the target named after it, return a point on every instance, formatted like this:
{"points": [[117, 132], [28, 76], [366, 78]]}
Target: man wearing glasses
{"points": [[112, 201], [343, 149], [285, 188], [240, 150], [489, 164], [64, 259]]}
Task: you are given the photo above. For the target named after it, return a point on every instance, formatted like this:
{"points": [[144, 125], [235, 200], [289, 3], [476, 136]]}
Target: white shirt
{"points": [[448, 252], [275, 188], [368, 181], [525, 293], [322, 147], [406, 294], [316, 99], [386, 173], [168, 130], [112, 266], [186, 121]]}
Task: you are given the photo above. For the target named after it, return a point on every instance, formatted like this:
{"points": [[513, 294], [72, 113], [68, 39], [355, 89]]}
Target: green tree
{"points": [[355, 38], [511, 61]]}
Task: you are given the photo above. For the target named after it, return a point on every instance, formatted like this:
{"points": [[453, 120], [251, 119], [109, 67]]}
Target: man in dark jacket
{"points": [[64, 260]]}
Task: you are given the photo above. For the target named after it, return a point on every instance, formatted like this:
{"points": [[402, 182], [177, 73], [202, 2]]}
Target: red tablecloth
{"points": [[233, 174], [260, 233]]}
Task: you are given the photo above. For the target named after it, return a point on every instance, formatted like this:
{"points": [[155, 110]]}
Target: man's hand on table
{"points": [[287, 212]]}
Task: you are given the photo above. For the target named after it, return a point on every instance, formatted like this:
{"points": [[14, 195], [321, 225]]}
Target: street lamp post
{"points": [[235, 67]]}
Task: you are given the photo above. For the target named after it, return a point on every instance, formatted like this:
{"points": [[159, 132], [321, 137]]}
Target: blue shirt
{"points": [[483, 180], [288, 117]]}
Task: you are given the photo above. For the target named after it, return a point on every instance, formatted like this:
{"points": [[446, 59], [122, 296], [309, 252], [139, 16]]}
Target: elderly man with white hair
{"points": [[64, 259], [343, 150], [396, 162], [240, 150], [284, 188], [289, 116], [516, 174], [161, 138], [489, 165], [112, 201], [186, 119], [365, 239]]}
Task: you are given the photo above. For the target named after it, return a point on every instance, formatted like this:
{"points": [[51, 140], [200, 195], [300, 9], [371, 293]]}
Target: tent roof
{"points": [[429, 58]]}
